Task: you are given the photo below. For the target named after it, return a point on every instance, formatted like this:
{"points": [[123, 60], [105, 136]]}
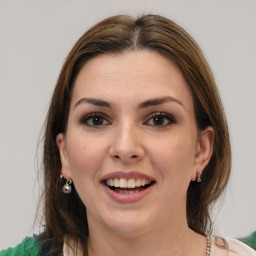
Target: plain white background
{"points": [[35, 37]]}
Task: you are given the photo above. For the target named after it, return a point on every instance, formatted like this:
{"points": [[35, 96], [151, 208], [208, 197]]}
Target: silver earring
{"points": [[67, 187]]}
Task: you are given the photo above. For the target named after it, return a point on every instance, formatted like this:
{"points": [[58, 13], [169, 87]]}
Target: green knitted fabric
{"points": [[28, 247], [250, 240]]}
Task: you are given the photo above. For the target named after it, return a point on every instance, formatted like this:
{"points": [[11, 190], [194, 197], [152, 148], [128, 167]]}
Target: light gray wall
{"points": [[35, 37]]}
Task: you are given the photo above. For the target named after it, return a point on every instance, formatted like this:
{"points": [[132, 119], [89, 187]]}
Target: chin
{"points": [[128, 229], [128, 224]]}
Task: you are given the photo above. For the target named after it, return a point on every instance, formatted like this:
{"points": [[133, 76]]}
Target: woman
{"points": [[136, 147]]}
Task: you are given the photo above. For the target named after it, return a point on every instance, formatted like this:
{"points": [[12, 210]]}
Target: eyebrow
{"points": [[96, 102], [145, 104], [158, 101]]}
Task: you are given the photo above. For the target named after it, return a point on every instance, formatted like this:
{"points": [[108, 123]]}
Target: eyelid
{"points": [[86, 117], [163, 114]]}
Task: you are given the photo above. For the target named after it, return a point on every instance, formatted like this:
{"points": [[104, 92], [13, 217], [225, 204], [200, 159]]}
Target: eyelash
{"points": [[86, 118], [170, 119]]}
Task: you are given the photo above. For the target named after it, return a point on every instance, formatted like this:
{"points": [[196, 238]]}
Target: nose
{"points": [[127, 145]]}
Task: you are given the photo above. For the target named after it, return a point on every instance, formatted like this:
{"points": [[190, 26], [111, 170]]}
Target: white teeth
{"points": [[116, 183], [124, 183], [138, 183], [111, 182], [131, 183]]}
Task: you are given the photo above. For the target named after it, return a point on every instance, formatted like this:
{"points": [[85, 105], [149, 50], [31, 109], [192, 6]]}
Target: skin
{"points": [[129, 139]]}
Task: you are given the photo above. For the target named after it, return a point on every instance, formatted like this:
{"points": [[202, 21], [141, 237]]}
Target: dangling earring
{"points": [[198, 176], [67, 187]]}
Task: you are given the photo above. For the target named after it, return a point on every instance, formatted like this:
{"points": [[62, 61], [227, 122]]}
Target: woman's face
{"points": [[132, 145]]}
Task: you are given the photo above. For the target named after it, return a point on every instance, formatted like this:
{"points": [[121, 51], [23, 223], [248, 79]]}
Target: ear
{"points": [[204, 151], [65, 170]]}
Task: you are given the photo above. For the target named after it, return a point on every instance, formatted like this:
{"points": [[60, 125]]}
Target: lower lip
{"points": [[127, 198]]}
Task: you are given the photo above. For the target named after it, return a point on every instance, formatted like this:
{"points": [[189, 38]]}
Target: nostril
{"points": [[133, 156]]}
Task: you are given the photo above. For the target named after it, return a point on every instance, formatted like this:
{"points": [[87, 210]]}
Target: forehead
{"points": [[136, 74]]}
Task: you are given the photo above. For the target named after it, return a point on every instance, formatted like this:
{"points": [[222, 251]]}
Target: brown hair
{"points": [[65, 215]]}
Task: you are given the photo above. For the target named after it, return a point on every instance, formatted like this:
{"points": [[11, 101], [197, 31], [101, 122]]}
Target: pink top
{"points": [[236, 248]]}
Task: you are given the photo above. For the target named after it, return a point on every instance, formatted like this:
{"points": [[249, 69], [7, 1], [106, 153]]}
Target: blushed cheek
{"points": [[84, 166], [83, 160], [173, 159]]}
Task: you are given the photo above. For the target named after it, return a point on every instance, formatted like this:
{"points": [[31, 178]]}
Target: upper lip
{"points": [[126, 175]]}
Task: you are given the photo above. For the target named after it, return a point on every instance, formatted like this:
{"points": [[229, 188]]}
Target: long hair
{"points": [[65, 215]]}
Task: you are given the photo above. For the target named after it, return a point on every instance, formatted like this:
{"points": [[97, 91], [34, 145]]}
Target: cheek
{"points": [[173, 161], [84, 156], [174, 157]]}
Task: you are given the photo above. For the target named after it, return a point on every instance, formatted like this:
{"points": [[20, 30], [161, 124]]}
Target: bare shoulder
{"points": [[235, 248]]}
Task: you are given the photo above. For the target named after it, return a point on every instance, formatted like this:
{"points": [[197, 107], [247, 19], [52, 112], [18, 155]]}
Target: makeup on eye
{"points": [[160, 119], [94, 120], [98, 119]]}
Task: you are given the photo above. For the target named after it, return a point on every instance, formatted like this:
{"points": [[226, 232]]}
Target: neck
{"points": [[170, 239]]}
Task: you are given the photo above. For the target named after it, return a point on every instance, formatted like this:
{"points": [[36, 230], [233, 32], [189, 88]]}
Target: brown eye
{"points": [[94, 120], [160, 119]]}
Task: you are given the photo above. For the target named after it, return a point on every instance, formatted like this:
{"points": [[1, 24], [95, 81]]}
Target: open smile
{"points": [[128, 189], [124, 186]]}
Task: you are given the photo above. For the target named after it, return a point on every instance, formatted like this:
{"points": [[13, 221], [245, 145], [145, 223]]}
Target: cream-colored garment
{"points": [[236, 248]]}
